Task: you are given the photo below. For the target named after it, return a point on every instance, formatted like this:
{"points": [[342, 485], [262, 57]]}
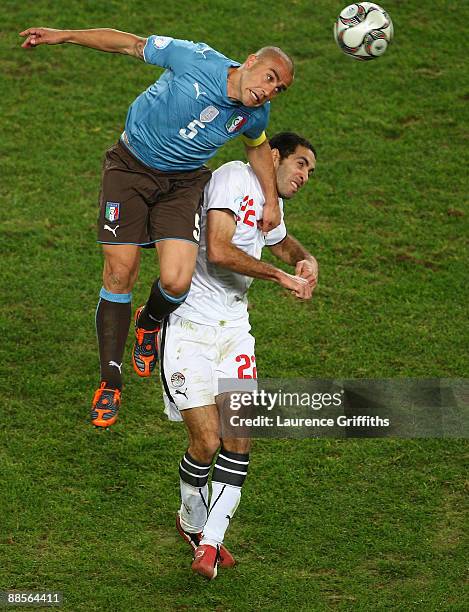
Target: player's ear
{"points": [[276, 158], [250, 60]]}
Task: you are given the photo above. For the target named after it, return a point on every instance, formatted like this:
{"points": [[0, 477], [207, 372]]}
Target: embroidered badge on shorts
{"points": [[177, 379], [112, 211]]}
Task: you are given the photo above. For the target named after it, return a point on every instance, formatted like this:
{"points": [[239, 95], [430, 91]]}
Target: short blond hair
{"points": [[267, 52]]}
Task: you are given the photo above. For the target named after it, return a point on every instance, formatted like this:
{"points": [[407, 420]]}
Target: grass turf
{"points": [[323, 524]]}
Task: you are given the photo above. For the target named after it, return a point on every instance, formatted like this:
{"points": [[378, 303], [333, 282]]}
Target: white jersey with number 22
{"points": [[218, 296]]}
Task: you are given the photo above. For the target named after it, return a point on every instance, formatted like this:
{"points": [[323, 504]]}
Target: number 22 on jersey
{"points": [[247, 212], [247, 369]]}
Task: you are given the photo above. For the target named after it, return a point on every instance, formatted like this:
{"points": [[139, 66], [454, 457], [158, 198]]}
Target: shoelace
{"points": [[141, 334], [100, 391]]}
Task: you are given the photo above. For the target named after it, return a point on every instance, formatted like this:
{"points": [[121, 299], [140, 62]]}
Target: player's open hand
{"points": [[41, 36], [308, 269]]}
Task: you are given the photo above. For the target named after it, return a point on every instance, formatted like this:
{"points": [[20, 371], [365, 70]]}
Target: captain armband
{"points": [[254, 142]]}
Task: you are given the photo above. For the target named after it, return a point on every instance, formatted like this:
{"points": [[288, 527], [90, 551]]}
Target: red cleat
{"points": [[225, 559], [206, 561]]}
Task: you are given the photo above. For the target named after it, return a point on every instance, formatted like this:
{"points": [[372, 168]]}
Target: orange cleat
{"points": [[145, 351], [105, 406]]}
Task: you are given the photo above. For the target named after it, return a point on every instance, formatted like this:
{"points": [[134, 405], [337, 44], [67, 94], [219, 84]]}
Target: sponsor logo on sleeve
{"points": [[112, 211], [209, 114], [235, 122], [160, 42]]}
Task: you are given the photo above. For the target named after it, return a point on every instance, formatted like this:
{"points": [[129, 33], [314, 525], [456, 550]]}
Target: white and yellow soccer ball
{"points": [[363, 30]]}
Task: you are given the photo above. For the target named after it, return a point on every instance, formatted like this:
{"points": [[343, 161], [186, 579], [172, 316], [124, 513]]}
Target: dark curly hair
{"points": [[286, 143]]}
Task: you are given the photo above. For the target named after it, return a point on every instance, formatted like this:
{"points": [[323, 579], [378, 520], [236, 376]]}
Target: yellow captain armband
{"points": [[256, 142]]}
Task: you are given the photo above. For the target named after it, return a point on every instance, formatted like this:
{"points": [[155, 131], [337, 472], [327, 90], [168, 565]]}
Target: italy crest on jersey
{"points": [[112, 211], [209, 114], [235, 122]]}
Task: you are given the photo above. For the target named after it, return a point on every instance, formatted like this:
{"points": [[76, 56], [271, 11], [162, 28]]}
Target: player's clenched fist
{"points": [[42, 36], [297, 285], [308, 269], [271, 218]]}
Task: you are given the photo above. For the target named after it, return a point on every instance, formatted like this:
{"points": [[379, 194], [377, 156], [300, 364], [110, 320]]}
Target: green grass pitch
{"points": [[323, 524]]}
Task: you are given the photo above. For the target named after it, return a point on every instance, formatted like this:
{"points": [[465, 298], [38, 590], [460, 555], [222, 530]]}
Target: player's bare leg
{"points": [[237, 445], [121, 266], [177, 263]]}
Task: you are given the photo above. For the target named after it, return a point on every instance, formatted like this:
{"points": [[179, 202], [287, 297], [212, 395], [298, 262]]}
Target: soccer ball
{"points": [[363, 30]]}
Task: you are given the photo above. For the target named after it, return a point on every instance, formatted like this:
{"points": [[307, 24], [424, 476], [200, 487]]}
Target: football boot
{"points": [[145, 351], [225, 559], [105, 406]]}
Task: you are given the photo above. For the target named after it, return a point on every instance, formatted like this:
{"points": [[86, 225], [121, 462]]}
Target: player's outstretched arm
{"points": [[102, 39], [293, 253], [221, 227], [260, 159]]}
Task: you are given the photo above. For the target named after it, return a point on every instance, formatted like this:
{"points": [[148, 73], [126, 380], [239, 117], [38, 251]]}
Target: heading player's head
{"points": [[294, 161], [263, 75]]}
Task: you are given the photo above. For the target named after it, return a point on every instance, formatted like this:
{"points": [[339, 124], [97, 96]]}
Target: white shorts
{"points": [[194, 357]]}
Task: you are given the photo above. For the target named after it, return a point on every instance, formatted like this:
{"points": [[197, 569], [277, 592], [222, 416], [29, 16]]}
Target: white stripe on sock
{"points": [[233, 460], [228, 470], [191, 474], [198, 467]]}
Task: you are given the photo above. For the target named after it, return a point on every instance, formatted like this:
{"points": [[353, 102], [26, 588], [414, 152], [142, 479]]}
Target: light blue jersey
{"points": [[181, 120]]}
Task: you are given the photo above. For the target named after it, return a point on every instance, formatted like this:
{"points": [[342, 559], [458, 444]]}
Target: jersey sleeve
{"points": [[227, 187], [279, 233], [255, 133], [170, 53]]}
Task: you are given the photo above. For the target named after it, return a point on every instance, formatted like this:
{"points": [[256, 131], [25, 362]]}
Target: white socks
{"points": [[194, 507], [225, 500], [194, 493], [229, 474]]}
